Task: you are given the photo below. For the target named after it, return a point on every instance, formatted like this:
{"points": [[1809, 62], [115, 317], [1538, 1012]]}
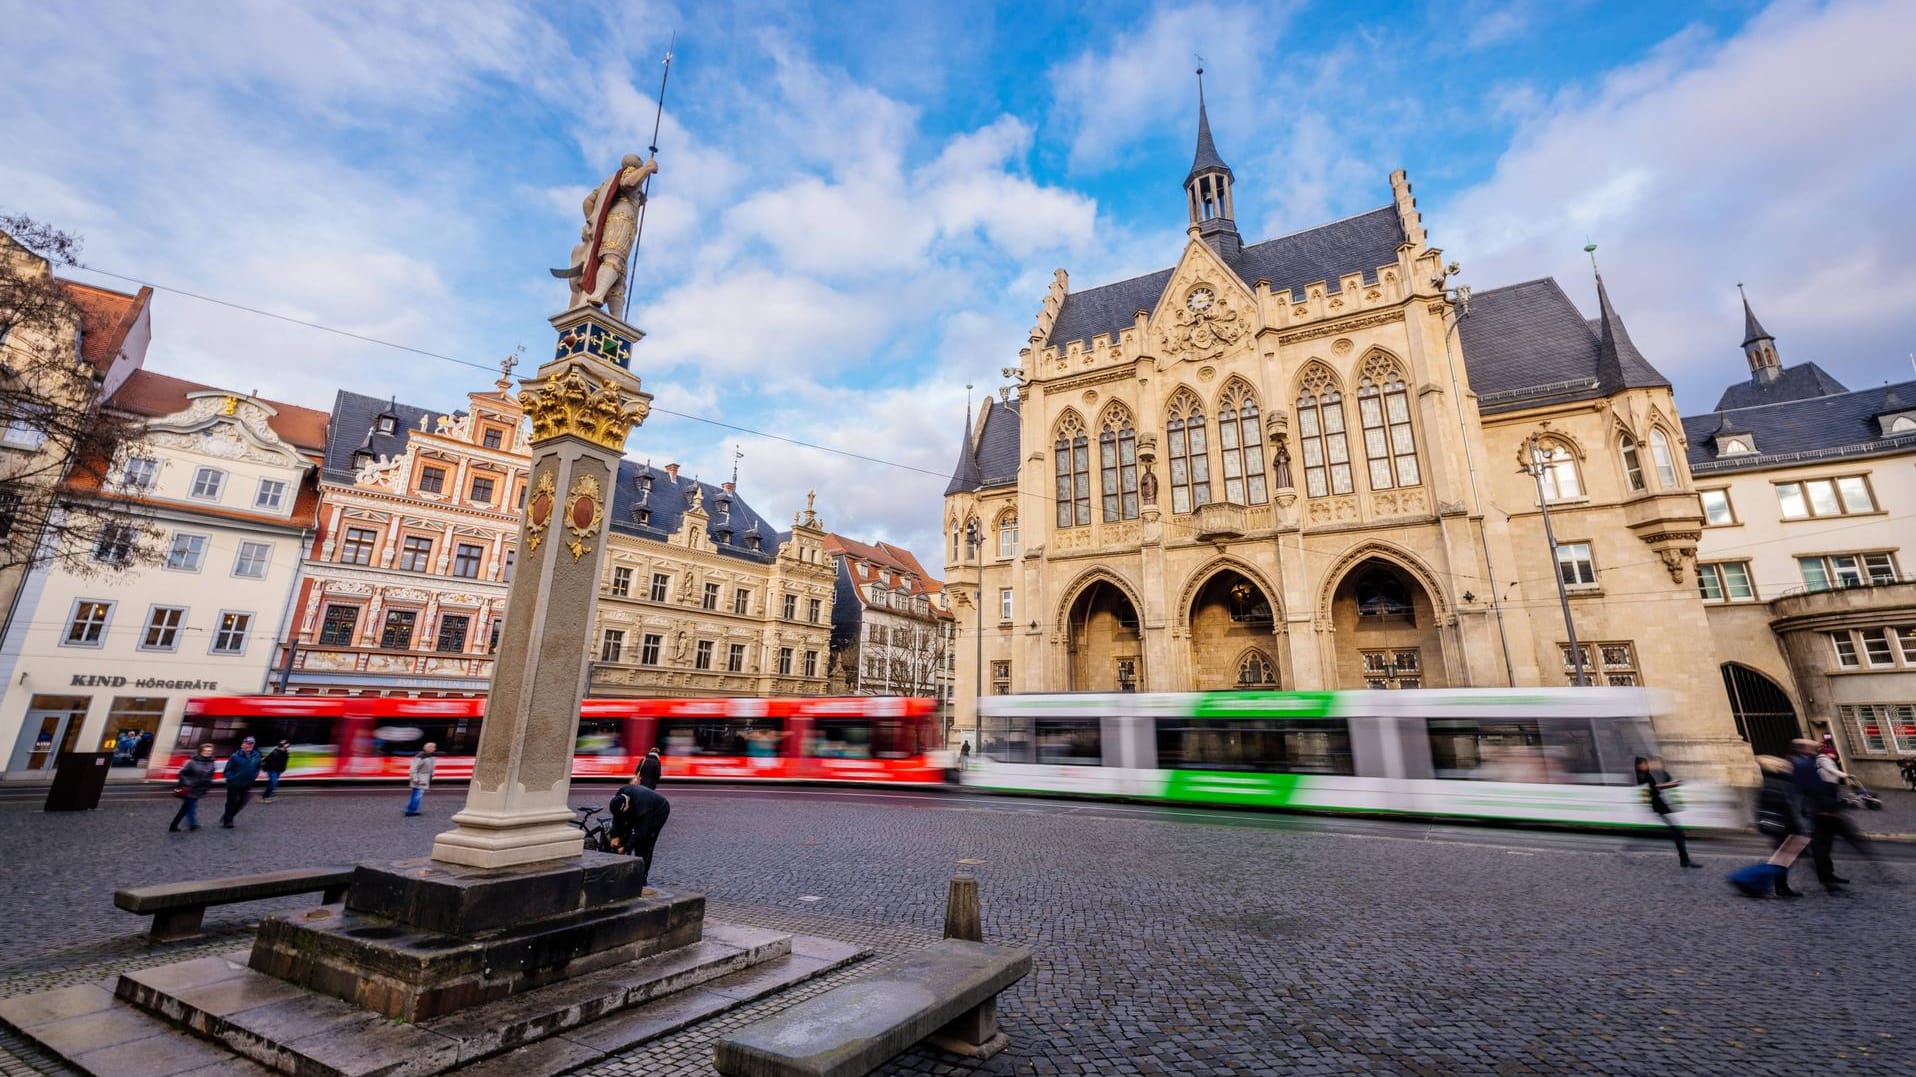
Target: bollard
{"points": [[962, 918]]}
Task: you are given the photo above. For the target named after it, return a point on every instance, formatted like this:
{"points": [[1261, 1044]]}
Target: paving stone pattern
{"points": [[1166, 942]]}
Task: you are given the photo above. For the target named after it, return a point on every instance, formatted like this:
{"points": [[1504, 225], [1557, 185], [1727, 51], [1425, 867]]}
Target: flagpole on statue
{"points": [[632, 264]]}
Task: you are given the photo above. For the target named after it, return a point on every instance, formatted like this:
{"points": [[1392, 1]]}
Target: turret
{"points": [[1207, 189], [1759, 347]]}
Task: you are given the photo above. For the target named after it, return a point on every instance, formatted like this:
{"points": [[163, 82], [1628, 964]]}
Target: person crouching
{"points": [[638, 815]]}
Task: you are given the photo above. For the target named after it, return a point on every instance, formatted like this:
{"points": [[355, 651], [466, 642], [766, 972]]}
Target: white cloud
{"points": [[1770, 158]]}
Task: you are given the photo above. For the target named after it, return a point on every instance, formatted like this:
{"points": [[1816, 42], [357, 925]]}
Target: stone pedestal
{"points": [[582, 404]]}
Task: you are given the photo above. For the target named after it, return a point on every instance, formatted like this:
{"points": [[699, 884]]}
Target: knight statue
{"points": [[597, 268]]}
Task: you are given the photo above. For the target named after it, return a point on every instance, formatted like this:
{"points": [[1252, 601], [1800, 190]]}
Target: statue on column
{"points": [[597, 267], [1283, 463], [1148, 487]]}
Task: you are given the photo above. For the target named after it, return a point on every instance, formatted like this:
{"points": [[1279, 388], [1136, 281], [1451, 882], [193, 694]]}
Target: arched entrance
{"points": [[1105, 649], [1387, 630], [1231, 623], [1763, 713]]}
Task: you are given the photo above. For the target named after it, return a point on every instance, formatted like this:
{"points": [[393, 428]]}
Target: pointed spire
{"points": [[1619, 364], [965, 477], [1206, 158], [1753, 330]]}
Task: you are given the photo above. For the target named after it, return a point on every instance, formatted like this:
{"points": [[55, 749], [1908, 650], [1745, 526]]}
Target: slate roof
{"points": [[1528, 344], [990, 458], [354, 427], [964, 475], [1835, 424], [1753, 330], [1800, 382], [668, 498], [1325, 253], [1206, 158]]}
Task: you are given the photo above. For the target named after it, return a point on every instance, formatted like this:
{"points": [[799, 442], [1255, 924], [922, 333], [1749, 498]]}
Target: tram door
{"points": [[1763, 713]]}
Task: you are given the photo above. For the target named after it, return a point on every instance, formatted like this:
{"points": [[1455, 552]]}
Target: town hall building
{"points": [[1312, 463]]}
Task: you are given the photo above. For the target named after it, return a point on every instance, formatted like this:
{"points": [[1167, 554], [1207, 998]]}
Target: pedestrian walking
{"points": [[639, 813], [964, 755], [274, 765], [242, 770], [195, 778], [1776, 817], [1654, 779], [422, 768], [1822, 802], [650, 769]]}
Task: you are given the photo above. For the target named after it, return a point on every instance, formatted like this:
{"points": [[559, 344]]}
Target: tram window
{"points": [[1006, 739], [600, 736], [864, 738], [722, 736], [405, 736], [1275, 745], [1059, 742], [1487, 751], [317, 736]]}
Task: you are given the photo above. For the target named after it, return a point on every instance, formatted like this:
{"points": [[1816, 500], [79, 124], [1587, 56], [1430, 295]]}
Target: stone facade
{"points": [[1807, 488], [701, 596], [404, 588], [1296, 464], [108, 659]]}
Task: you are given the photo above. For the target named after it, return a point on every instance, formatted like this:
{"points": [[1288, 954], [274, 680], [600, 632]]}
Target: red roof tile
{"points": [[154, 395], [106, 316]]}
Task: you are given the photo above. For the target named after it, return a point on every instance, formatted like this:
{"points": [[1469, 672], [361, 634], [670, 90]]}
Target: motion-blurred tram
{"points": [[1561, 756], [845, 739]]}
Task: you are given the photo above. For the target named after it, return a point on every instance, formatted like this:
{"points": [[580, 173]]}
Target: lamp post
{"points": [[972, 539], [1539, 463]]}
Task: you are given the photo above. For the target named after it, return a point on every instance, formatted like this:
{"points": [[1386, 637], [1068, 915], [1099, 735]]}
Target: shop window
{"points": [[131, 724]]}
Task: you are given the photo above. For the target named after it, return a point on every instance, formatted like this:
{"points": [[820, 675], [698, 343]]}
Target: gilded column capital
{"points": [[567, 398]]}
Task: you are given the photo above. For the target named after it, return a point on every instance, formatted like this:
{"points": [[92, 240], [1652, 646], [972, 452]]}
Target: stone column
{"points": [[582, 405]]}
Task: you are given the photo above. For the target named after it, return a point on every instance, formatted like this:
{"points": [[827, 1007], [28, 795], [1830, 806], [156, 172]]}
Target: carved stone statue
{"points": [[1148, 486], [597, 266], [1283, 452]]}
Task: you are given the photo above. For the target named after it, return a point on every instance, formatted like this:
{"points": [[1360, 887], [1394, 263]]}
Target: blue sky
{"points": [[860, 204]]}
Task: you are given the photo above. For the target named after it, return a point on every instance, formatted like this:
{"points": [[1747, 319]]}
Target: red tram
{"points": [[846, 739]]}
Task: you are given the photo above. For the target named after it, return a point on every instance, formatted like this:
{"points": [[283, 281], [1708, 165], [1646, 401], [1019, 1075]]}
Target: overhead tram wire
{"points": [[1043, 499]]}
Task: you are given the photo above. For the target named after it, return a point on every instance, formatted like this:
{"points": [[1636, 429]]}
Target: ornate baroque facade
{"points": [[1296, 464]]}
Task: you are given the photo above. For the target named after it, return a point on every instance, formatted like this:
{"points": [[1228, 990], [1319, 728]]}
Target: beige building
{"points": [[1808, 490], [892, 630], [404, 588], [104, 661], [702, 596], [1295, 464]]}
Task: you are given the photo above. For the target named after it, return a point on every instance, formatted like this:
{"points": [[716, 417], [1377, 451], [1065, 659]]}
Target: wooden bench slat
{"points": [[858, 1026]]}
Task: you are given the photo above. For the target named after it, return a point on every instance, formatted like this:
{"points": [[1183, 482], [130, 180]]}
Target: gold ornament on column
{"points": [[539, 510], [571, 404], [584, 508]]}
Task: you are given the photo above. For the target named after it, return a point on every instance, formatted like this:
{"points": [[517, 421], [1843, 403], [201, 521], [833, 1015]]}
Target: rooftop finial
{"points": [[737, 455], [1590, 249]]}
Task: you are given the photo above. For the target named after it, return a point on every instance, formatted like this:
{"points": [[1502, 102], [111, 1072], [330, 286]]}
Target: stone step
{"points": [[287, 1027], [96, 1033]]}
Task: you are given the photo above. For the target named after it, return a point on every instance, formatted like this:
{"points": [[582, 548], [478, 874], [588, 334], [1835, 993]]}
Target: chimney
{"points": [[672, 472]]}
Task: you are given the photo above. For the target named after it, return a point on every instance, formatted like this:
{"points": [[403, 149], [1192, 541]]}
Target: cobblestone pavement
{"points": [[1167, 941]]}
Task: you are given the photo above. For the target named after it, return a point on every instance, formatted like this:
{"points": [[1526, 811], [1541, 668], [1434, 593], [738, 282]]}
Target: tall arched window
{"points": [[1255, 670], [1118, 466], [1320, 434], [1190, 456], [1071, 455], [1663, 458], [1383, 409], [1632, 462], [1240, 441], [1008, 535], [1560, 479]]}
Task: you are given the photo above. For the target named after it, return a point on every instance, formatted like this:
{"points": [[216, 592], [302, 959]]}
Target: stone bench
{"points": [[946, 992], [177, 908]]}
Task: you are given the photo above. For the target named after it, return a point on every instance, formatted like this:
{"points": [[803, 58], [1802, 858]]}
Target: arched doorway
{"points": [[1387, 631], [1231, 623], [1762, 710], [1105, 649]]}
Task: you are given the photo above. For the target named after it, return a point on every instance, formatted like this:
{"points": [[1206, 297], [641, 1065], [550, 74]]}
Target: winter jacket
{"points": [[197, 777], [649, 771], [1776, 806], [275, 761], [242, 768], [1815, 795], [422, 767]]}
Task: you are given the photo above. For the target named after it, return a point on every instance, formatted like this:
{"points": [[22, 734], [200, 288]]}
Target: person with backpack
{"points": [[423, 765], [196, 777], [639, 813], [274, 765], [242, 770]]}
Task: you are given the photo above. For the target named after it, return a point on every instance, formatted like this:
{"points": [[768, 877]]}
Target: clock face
{"points": [[1199, 300]]}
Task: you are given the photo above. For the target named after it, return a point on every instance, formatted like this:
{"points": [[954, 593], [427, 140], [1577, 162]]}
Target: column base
{"points": [[488, 840]]}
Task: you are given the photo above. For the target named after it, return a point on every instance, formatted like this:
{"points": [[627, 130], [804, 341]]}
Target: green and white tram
{"points": [[1548, 755]]}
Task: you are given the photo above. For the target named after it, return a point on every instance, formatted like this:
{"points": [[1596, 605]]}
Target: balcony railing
{"points": [[1846, 585]]}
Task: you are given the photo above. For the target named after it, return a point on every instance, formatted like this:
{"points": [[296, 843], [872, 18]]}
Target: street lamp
{"points": [[1539, 462], [978, 620]]}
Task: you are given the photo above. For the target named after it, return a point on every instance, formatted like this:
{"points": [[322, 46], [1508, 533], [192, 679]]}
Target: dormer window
{"points": [[1898, 424], [725, 538], [644, 515], [1736, 446], [387, 424], [751, 542], [645, 484]]}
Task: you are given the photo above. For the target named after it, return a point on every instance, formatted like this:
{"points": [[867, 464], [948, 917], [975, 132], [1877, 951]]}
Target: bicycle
{"points": [[598, 835]]}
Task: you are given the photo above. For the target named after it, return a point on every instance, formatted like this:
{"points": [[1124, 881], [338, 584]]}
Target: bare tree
{"points": [[906, 659], [58, 446]]}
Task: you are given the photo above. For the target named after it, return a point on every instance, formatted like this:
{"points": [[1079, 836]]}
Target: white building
{"points": [[106, 663]]}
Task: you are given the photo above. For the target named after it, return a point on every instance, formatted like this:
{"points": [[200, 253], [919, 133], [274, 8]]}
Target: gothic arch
{"points": [[1225, 563], [1563, 438], [1185, 401], [1069, 422], [1395, 555], [1380, 363], [1243, 390], [1077, 587], [1117, 412], [1269, 664], [1315, 376]]}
